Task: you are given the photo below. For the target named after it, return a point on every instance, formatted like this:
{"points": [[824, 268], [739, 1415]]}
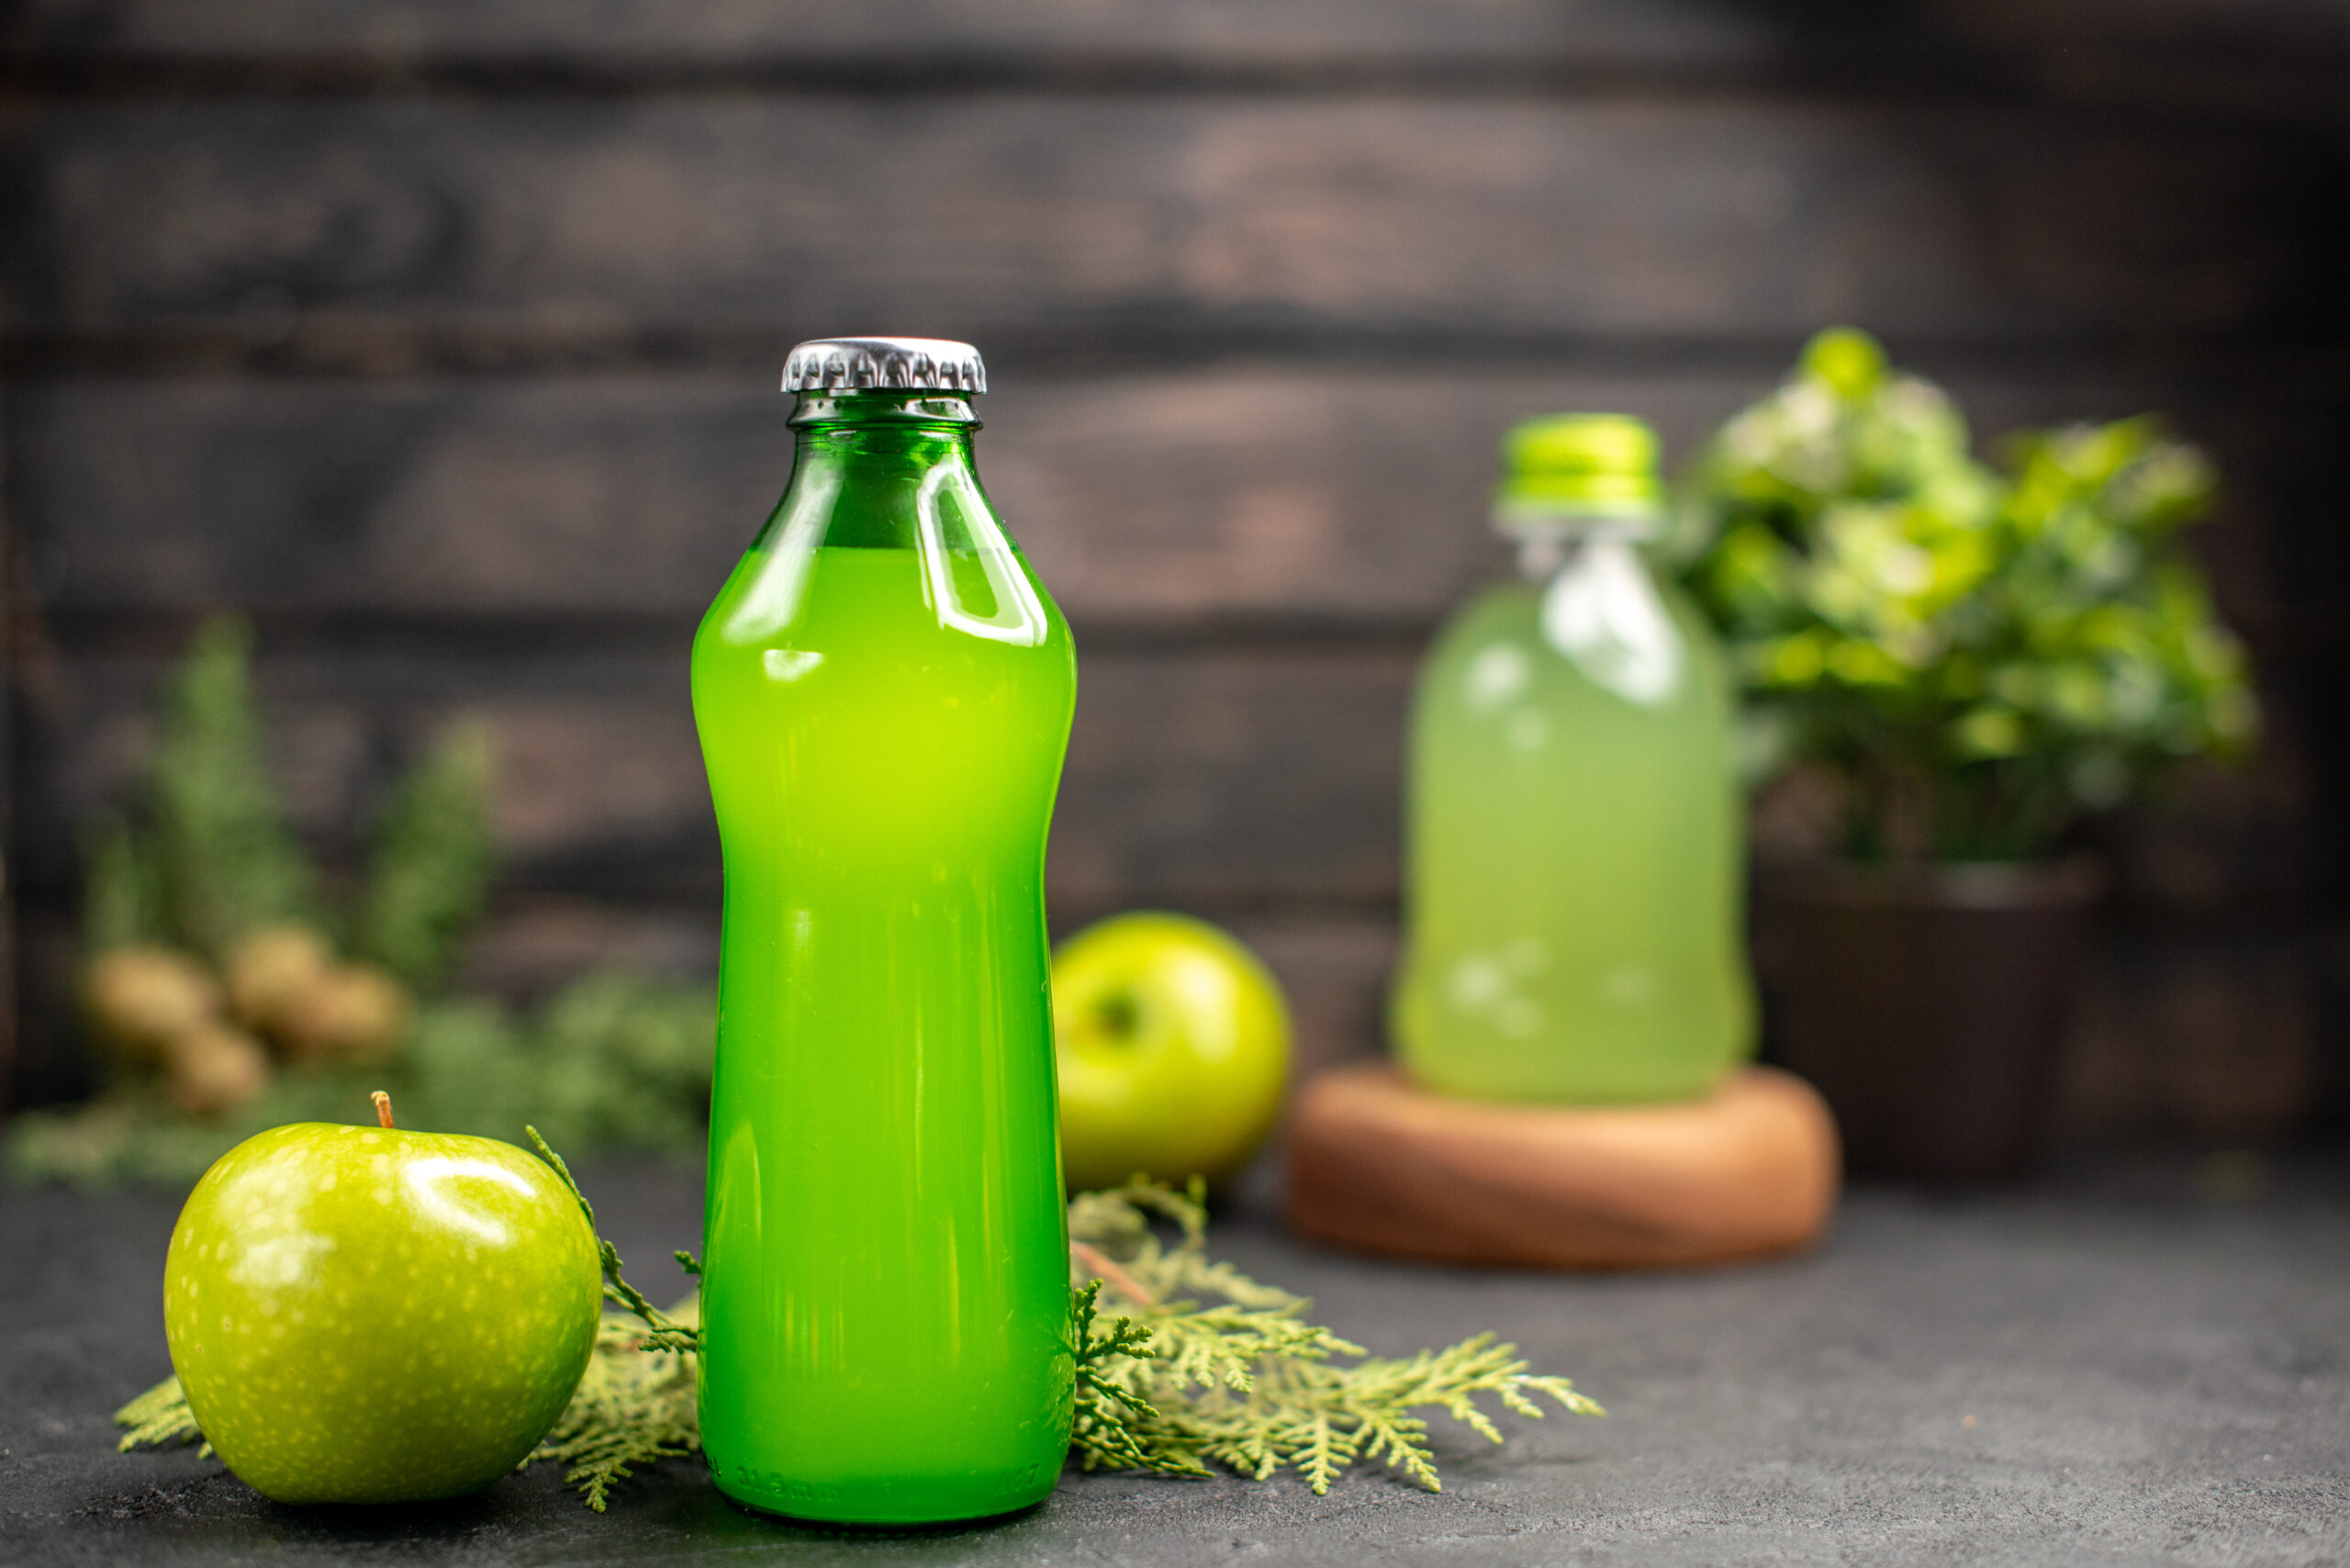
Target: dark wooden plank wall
{"points": [[441, 335]]}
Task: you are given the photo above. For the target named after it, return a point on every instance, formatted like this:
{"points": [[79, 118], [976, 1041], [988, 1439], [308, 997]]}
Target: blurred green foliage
{"points": [[210, 852], [223, 854], [429, 880], [615, 1062], [1979, 656]]}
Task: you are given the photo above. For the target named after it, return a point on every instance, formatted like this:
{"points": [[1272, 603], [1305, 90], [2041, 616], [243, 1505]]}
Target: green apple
{"points": [[1173, 1047], [363, 1315]]}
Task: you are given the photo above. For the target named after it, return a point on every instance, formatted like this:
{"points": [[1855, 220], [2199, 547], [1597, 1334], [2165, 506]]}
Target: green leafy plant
{"points": [[211, 853], [614, 1060], [429, 877], [1164, 1383], [1977, 657], [224, 854], [180, 891], [122, 899]]}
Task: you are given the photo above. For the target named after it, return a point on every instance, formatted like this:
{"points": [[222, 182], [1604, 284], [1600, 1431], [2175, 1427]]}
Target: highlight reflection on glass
{"points": [[1574, 859], [883, 692]]}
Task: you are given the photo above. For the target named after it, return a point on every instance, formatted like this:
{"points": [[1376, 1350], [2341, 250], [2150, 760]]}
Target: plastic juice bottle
{"points": [[1574, 839], [883, 691]]}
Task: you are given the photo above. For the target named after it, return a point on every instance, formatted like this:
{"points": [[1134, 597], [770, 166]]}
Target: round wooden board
{"points": [[1377, 1165]]}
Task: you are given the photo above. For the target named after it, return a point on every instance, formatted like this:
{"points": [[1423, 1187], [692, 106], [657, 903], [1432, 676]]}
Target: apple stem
{"points": [[1096, 1260], [383, 1107]]}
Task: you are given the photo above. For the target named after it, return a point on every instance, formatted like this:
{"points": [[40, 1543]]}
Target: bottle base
{"points": [[1584, 1093], [902, 1503]]}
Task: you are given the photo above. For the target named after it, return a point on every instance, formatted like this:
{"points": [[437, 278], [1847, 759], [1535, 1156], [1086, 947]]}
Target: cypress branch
{"points": [[662, 1331], [429, 878], [122, 903], [159, 1418], [634, 1405], [1163, 1383], [225, 852]]}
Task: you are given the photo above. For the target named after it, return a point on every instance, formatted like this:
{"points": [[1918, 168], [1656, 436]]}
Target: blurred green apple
{"points": [[1173, 1046], [363, 1315]]}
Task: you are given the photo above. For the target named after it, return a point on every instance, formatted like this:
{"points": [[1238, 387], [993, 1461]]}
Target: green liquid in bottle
{"points": [[883, 691], [1575, 850]]}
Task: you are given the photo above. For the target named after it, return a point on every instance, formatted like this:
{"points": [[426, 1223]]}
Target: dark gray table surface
{"points": [[2117, 1366]]}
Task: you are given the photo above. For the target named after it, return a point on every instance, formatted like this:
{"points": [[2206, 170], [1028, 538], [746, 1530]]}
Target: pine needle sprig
{"points": [[1250, 1385], [434, 859], [160, 1418], [634, 1405], [1164, 1383], [226, 857], [663, 1332], [1109, 1413], [637, 1401], [122, 895]]}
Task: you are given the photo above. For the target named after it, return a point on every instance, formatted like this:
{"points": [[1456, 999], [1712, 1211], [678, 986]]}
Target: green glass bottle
{"points": [[1574, 844], [883, 691]]}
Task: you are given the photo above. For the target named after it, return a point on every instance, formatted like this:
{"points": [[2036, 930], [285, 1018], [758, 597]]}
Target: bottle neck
{"points": [[1543, 551], [817, 409], [864, 459]]}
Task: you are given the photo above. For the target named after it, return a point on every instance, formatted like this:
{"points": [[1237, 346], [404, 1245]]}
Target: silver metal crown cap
{"points": [[857, 364]]}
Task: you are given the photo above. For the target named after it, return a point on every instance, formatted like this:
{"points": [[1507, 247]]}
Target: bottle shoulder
{"points": [[1506, 612], [965, 603], [1500, 630], [1511, 608]]}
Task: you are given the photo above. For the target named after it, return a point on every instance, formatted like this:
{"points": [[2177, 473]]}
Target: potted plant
{"points": [[1954, 666]]}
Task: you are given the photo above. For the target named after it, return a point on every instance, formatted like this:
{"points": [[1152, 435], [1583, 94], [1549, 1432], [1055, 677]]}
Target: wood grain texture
{"points": [[1611, 31], [1376, 1165], [1214, 495], [1241, 779], [1578, 40], [1233, 781], [791, 216], [1255, 788], [2275, 60], [2212, 1038], [441, 333]]}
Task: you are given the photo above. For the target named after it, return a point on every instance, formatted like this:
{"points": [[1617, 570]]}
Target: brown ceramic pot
{"points": [[1926, 1004]]}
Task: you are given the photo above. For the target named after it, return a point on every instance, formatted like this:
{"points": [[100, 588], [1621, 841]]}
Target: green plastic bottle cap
{"points": [[1563, 469]]}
